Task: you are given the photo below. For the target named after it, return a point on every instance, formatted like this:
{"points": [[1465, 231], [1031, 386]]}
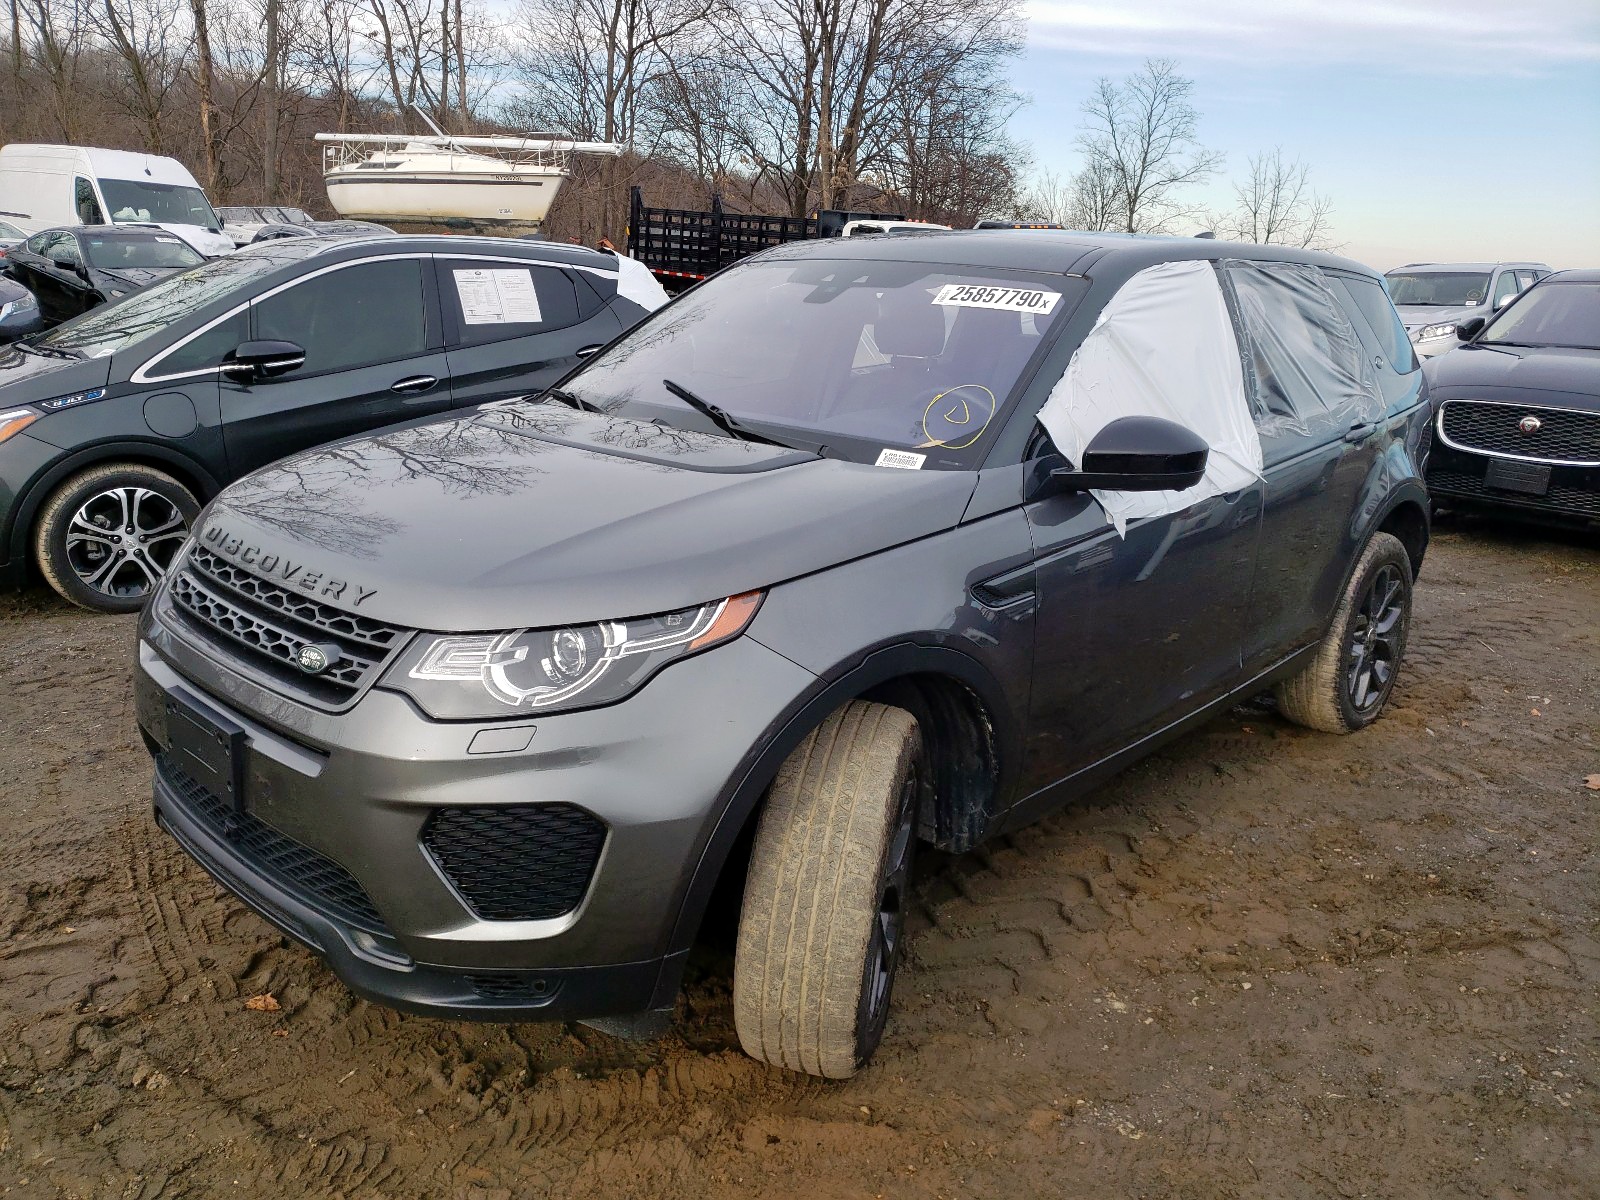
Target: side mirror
{"points": [[66, 262], [1135, 454], [1471, 328], [1503, 301], [263, 360]]}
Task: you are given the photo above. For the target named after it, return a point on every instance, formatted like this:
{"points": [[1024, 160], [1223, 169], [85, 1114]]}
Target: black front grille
{"points": [[296, 867], [520, 863], [1559, 500], [1563, 435], [272, 623]]}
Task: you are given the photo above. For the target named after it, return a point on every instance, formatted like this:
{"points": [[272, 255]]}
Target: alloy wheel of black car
{"points": [[1374, 643], [105, 539], [883, 946]]}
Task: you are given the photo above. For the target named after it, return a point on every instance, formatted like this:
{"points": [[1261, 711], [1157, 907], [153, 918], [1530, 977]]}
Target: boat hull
{"points": [[503, 203]]}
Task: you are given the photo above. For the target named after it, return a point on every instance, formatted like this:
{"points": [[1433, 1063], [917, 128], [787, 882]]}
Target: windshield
{"points": [[157, 250], [8, 230], [1565, 315], [1440, 289], [107, 329], [868, 358], [169, 203]]}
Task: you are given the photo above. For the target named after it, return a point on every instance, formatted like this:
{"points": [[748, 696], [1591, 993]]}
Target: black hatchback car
{"points": [[74, 270], [115, 427], [860, 544], [1519, 407]]}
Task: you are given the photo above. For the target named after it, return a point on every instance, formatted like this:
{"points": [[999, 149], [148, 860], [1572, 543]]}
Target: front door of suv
{"points": [[374, 357], [514, 326]]}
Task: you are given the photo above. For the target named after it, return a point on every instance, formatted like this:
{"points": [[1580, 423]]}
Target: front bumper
{"points": [[1457, 477], [347, 796]]}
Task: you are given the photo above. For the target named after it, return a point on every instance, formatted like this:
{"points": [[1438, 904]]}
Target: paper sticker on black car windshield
{"points": [[903, 459], [1006, 299]]}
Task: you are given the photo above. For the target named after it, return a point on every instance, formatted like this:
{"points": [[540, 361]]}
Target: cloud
{"points": [[1432, 36]]}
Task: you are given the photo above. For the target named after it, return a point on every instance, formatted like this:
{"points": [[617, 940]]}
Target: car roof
{"points": [[1066, 252], [1580, 275], [1466, 266], [331, 244]]}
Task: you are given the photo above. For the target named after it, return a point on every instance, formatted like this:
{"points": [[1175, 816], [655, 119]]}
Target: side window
{"points": [[39, 243], [209, 349], [1305, 369], [1526, 279], [84, 201], [495, 301], [1373, 303], [356, 316], [1505, 286]]}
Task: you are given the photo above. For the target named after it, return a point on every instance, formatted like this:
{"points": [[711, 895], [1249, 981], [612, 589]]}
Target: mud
{"points": [[1263, 963]]}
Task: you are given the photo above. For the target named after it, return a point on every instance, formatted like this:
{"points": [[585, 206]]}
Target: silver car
{"points": [[1433, 298]]}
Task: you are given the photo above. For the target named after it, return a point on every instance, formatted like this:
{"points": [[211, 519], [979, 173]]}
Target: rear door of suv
{"points": [[516, 325]]}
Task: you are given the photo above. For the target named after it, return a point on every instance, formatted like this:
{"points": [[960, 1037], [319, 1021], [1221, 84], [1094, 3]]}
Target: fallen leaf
{"points": [[265, 1002], [1592, 783], [280, 1033], [1534, 711]]}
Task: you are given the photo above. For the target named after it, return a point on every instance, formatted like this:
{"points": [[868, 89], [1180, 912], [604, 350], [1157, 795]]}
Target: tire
{"points": [[1347, 684], [822, 925], [106, 536]]}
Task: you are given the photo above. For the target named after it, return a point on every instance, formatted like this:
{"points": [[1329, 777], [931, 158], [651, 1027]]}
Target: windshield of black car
{"points": [[107, 329], [1440, 289], [168, 203], [1556, 314], [906, 362], [124, 251]]}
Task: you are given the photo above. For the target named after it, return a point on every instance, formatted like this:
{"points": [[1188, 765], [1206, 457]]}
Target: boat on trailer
{"points": [[502, 185]]}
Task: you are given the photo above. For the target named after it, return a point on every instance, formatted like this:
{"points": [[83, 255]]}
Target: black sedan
{"points": [[19, 312], [1518, 406], [117, 426], [74, 270]]}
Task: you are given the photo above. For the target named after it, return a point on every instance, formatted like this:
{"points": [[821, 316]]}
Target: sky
{"points": [[1443, 130]]}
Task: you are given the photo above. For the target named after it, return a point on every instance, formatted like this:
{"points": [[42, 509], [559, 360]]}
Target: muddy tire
{"points": [[1348, 682], [106, 536], [823, 920]]}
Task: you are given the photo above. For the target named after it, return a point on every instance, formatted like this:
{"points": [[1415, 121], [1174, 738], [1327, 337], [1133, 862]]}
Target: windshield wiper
{"points": [[722, 420], [570, 398], [50, 351]]}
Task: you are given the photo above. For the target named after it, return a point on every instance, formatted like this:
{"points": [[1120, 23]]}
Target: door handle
{"points": [[417, 383], [1357, 433]]}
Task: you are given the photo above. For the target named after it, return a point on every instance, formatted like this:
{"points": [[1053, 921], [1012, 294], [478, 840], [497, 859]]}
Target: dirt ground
{"points": [[1264, 963]]}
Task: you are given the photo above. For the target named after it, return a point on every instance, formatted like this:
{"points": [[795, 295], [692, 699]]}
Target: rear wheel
{"points": [[823, 921], [107, 536], [1347, 684]]}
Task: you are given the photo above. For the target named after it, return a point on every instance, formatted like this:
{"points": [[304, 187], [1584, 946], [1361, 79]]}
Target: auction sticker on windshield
{"points": [[497, 297], [903, 459], [974, 295]]}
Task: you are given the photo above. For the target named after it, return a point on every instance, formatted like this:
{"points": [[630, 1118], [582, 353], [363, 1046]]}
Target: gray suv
{"points": [[863, 544], [1433, 298]]}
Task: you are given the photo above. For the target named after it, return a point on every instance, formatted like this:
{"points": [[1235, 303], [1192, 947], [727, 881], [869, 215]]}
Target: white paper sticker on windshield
{"points": [[171, 241], [497, 297], [1007, 299], [903, 459]]}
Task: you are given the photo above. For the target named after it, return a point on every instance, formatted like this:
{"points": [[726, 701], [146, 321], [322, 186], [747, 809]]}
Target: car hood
{"points": [[27, 377], [212, 245], [523, 514], [1570, 375], [1415, 315]]}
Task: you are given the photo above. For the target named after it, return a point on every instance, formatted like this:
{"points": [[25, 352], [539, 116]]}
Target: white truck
{"points": [[42, 187]]}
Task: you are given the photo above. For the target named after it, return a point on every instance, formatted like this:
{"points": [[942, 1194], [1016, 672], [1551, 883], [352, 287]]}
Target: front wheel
{"points": [[1347, 684], [823, 921], [107, 536]]}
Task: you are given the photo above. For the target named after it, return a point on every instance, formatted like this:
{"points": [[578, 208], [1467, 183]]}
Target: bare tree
{"points": [[1140, 135], [1275, 205]]}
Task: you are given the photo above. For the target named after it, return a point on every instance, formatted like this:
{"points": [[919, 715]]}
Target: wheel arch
{"points": [[973, 740], [180, 466]]}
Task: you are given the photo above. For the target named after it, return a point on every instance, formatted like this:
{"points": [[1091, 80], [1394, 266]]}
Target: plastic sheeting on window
{"points": [[1308, 372], [1163, 347]]}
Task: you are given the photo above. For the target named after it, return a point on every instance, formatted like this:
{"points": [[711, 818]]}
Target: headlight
{"points": [[474, 676], [22, 304], [1448, 329], [15, 421]]}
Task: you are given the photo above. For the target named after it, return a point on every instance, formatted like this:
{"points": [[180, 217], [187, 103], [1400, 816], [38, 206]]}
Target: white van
{"points": [[42, 187]]}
